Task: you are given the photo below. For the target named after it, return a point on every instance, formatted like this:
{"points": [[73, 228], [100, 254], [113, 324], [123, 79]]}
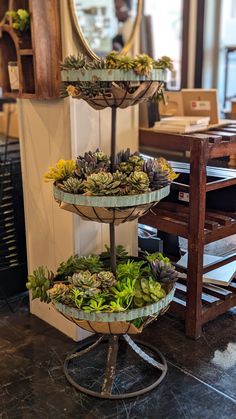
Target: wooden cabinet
{"points": [[37, 52]]}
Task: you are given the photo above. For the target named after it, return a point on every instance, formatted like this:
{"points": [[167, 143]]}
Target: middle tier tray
{"points": [[109, 209]]}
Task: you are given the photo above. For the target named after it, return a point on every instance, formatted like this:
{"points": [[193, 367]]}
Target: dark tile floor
{"points": [[200, 383]]}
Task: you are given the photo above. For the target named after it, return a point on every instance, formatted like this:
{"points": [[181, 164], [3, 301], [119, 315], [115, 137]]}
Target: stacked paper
{"points": [[182, 124]]}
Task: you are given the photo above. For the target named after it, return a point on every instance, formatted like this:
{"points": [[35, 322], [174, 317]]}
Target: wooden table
{"points": [[195, 302]]}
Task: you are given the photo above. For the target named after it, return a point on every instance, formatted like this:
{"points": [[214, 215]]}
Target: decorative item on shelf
{"points": [[118, 80], [20, 22], [13, 72]]}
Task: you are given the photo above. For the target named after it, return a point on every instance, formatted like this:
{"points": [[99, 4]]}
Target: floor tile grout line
{"points": [[202, 382]]}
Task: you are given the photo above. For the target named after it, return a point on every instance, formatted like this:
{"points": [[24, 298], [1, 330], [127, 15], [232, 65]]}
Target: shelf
{"points": [[26, 52], [173, 218], [37, 52], [215, 300], [196, 302]]}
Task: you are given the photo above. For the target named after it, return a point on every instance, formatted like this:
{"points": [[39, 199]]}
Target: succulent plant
{"points": [[130, 269], [125, 167], [73, 62], [112, 60], [97, 64], [158, 176], [20, 19], [92, 162], [147, 291], [86, 282], [101, 184], [121, 253], [62, 171], [79, 263], [137, 162], [124, 155], [122, 178], [96, 303], [164, 272], [61, 293], [138, 183], [163, 63], [156, 256], [143, 64], [125, 63], [72, 185], [166, 166], [107, 280], [40, 282]]}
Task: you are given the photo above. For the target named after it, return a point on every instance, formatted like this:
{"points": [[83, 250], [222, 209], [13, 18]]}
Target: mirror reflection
{"points": [[106, 24]]}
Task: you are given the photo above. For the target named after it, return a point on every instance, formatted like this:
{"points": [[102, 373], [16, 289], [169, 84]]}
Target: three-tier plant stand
{"points": [[118, 89]]}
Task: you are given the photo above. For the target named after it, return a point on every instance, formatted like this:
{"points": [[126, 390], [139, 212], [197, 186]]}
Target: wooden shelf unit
{"points": [[37, 52], [195, 302]]}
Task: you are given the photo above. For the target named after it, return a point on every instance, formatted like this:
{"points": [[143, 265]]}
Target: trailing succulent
{"points": [[91, 174], [83, 282]]}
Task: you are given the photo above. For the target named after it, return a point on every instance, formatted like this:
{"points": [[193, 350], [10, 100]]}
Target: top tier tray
{"points": [[106, 75], [102, 88]]}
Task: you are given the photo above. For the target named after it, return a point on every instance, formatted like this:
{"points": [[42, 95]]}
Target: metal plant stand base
{"points": [[157, 362]]}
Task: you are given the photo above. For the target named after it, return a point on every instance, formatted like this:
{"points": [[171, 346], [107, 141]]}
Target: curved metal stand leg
{"points": [[110, 371]]}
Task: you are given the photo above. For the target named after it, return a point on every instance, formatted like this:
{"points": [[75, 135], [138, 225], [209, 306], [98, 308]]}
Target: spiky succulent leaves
{"points": [[157, 173], [143, 64], [86, 282], [62, 171], [163, 63], [73, 62], [112, 60], [61, 293], [79, 263], [97, 64], [138, 183], [124, 291], [156, 256], [166, 166], [72, 185], [92, 162], [130, 269], [101, 184], [121, 253], [164, 272], [125, 63], [124, 155], [107, 280], [97, 303], [40, 282]]}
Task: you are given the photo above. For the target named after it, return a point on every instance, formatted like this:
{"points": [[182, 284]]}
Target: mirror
{"points": [[106, 25]]}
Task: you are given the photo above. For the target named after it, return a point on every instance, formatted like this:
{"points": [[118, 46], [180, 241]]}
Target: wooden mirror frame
{"points": [[85, 44]]}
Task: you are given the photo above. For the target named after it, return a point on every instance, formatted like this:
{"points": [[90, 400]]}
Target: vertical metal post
{"points": [[113, 137], [113, 156]]}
